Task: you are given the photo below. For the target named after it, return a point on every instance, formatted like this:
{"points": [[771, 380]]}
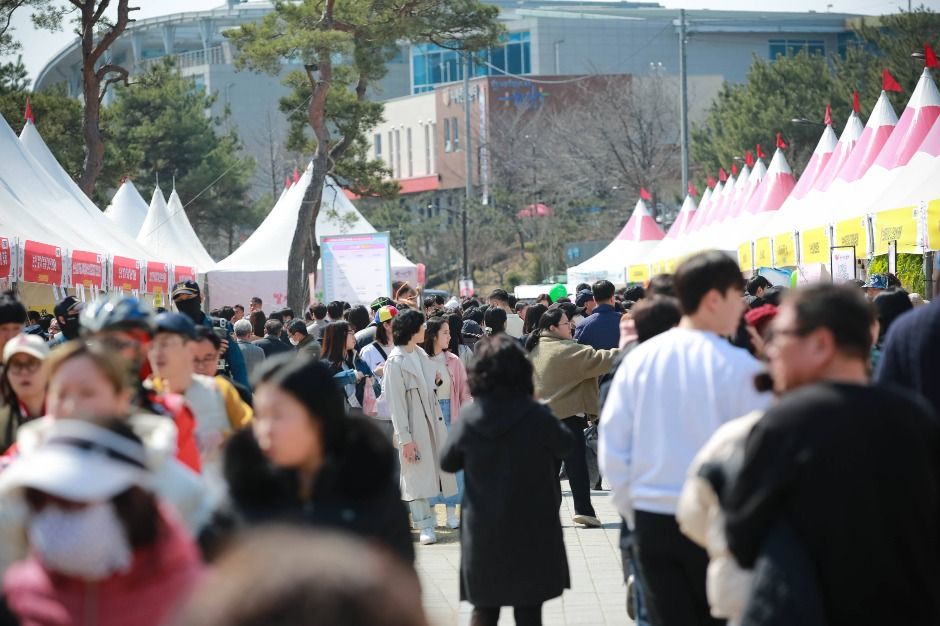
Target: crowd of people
{"points": [[774, 454]]}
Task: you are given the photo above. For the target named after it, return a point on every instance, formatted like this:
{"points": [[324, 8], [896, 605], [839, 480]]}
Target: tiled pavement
{"points": [[596, 597]]}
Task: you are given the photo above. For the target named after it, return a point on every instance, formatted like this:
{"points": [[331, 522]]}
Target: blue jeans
{"points": [[455, 499]]}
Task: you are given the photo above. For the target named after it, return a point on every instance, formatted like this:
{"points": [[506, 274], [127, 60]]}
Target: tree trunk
{"points": [[94, 143], [304, 250]]}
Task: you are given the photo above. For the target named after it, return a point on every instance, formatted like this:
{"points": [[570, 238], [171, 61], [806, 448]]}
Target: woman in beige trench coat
{"points": [[420, 432]]}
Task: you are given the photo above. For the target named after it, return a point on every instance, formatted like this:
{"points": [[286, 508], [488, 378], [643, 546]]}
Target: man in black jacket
{"points": [[271, 343], [852, 469]]}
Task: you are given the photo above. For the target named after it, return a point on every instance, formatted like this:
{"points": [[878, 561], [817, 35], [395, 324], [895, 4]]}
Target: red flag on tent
{"points": [[287, 182], [722, 174], [644, 194], [749, 158], [760, 153], [828, 119], [692, 190], [930, 57], [780, 142], [855, 105], [734, 169], [28, 115], [296, 176], [710, 182], [888, 83]]}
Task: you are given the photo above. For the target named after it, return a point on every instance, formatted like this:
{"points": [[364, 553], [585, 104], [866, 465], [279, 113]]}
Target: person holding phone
{"points": [[420, 432]]}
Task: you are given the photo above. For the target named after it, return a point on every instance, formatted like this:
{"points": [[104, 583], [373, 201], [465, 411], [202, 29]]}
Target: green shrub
{"points": [[910, 270]]}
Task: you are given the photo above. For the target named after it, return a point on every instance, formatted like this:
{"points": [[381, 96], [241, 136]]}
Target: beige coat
{"points": [[701, 520], [417, 418], [566, 375]]}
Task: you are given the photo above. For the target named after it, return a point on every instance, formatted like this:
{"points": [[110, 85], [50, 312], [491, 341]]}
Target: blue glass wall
{"points": [[433, 65]]}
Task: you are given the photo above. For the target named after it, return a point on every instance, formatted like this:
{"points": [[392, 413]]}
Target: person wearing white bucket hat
{"points": [[103, 550]]}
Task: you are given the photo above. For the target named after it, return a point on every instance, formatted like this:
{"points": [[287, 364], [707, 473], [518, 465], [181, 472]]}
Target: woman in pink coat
{"points": [[452, 393], [103, 551]]}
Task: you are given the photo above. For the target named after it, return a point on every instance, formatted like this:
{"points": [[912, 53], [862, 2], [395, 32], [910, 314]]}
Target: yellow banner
{"points": [[933, 224], [852, 233], [814, 246], [784, 250], [638, 273], [896, 225], [745, 258], [763, 253], [671, 266]]}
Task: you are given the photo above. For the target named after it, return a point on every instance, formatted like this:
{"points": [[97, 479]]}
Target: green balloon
{"points": [[558, 291]]}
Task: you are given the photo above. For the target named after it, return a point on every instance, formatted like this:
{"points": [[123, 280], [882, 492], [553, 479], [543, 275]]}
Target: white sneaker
{"points": [[428, 536], [587, 520], [452, 522]]}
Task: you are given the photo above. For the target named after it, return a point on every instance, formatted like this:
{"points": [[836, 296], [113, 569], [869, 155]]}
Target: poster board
{"points": [[87, 270], [842, 259], [125, 274], [638, 274], [42, 264], [785, 250], [898, 225], [814, 246], [356, 268]]}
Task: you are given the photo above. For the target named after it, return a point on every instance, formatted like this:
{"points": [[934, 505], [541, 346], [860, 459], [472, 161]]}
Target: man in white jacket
{"points": [[668, 397]]}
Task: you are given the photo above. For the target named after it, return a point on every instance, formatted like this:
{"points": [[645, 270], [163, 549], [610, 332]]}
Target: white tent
{"points": [[259, 266], [639, 236], [665, 249], [35, 176], [128, 209], [187, 239]]}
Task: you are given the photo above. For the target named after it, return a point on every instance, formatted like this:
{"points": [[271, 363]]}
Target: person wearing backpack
{"points": [[374, 355]]}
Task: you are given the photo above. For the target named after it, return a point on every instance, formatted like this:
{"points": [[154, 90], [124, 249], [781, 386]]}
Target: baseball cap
{"points": [[81, 462], [297, 326], [385, 313], [33, 345], [175, 323], [185, 289], [379, 302], [584, 296], [877, 281], [69, 305]]}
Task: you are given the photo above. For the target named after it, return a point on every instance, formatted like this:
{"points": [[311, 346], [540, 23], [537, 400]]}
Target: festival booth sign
{"points": [[746, 257], [638, 273], [933, 224], [183, 273], [42, 264], [6, 262], [763, 252], [157, 281], [785, 250], [898, 225], [87, 270], [126, 274], [814, 246], [854, 233]]}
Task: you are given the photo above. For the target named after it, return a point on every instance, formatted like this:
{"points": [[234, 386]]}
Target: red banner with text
{"points": [[42, 263], [125, 273], [158, 277], [6, 258], [87, 269], [181, 273]]}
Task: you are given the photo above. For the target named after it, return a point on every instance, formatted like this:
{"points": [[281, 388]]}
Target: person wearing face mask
{"points": [[103, 549], [85, 381], [67, 313], [302, 340], [188, 300], [22, 385], [305, 461], [565, 376]]}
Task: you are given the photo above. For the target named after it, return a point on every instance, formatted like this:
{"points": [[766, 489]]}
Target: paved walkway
{"points": [[597, 596]]}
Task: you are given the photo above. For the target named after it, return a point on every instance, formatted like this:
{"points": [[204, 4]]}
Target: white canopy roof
{"points": [[259, 266], [39, 182], [187, 240], [128, 209]]}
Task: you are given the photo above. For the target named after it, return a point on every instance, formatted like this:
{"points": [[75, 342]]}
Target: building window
{"points": [[455, 133], [391, 153], [433, 65], [792, 47], [377, 145], [448, 147], [410, 157], [398, 153]]}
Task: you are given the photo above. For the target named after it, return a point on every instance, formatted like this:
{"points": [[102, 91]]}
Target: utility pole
{"points": [[467, 65], [683, 101]]}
